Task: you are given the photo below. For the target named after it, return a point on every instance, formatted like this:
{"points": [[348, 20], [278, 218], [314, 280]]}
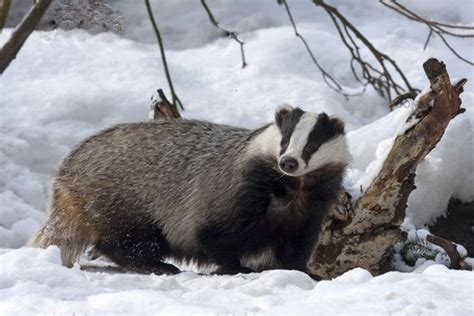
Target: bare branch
{"points": [[381, 79], [402, 98], [328, 79], [174, 96], [441, 27], [438, 28], [231, 34], [11, 48], [4, 8]]}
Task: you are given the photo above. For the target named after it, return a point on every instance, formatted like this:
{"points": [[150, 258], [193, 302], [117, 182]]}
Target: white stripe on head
{"points": [[331, 151], [299, 138]]}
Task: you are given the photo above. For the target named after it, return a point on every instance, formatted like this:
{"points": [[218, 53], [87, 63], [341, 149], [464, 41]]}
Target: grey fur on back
{"points": [[165, 165]]}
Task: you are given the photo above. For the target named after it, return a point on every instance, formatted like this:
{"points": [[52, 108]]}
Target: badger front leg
{"points": [[294, 251], [224, 246], [241, 227], [226, 243]]}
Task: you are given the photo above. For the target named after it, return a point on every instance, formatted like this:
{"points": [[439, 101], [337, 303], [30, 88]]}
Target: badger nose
{"points": [[288, 164]]}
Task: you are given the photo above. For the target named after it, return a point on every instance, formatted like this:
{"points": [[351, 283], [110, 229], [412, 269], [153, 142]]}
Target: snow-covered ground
{"points": [[33, 281], [64, 86]]}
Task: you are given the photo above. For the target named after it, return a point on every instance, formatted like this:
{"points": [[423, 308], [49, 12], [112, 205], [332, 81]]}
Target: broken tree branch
{"points": [[11, 48], [162, 108], [231, 34], [365, 235], [174, 96]]}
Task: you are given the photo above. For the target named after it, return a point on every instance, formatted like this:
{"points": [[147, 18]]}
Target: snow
{"points": [[33, 281], [64, 86]]}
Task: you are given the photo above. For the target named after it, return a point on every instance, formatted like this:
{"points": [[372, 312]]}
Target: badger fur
{"points": [[190, 190]]}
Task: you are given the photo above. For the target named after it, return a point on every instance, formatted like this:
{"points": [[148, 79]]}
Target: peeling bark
{"points": [[369, 227]]}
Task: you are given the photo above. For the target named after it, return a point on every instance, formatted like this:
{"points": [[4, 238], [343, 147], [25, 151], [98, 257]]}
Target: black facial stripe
{"points": [[324, 130], [313, 144], [287, 127]]}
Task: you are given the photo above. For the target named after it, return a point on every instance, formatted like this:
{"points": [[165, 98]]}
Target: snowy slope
{"points": [[64, 86]]}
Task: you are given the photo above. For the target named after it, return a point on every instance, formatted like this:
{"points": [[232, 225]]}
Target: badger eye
{"points": [[311, 148]]}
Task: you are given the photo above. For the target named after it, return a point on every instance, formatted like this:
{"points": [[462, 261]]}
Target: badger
{"points": [[194, 191]]}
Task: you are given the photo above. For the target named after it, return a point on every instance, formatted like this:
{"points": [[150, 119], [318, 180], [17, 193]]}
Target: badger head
{"points": [[309, 141]]}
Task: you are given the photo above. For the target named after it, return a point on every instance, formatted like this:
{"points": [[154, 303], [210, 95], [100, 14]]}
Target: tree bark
{"points": [[162, 108], [362, 233], [11, 48]]}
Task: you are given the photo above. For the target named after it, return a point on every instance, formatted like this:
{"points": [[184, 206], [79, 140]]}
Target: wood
{"points": [[11, 48], [174, 97], [362, 233], [162, 108], [4, 8]]}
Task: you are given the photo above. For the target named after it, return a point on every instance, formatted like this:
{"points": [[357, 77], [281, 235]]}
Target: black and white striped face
{"points": [[309, 141]]}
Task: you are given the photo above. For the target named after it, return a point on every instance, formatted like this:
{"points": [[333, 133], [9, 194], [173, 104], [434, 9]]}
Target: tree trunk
{"points": [[362, 233]]}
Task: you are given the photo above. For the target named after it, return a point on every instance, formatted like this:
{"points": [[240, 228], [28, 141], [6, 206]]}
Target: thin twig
{"points": [[382, 79], [438, 28], [430, 34], [467, 61], [403, 97], [442, 27], [231, 34], [174, 96], [328, 79]]}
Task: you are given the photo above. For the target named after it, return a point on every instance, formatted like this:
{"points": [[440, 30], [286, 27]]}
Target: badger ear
{"points": [[281, 112], [323, 118], [338, 125]]}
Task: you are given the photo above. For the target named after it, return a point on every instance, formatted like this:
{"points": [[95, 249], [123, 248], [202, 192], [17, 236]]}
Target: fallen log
{"points": [[362, 233]]}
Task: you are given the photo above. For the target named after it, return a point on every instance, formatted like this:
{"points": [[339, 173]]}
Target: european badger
{"points": [[191, 190]]}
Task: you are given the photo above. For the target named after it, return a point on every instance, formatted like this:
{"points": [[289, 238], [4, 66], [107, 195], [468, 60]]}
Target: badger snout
{"points": [[288, 164]]}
